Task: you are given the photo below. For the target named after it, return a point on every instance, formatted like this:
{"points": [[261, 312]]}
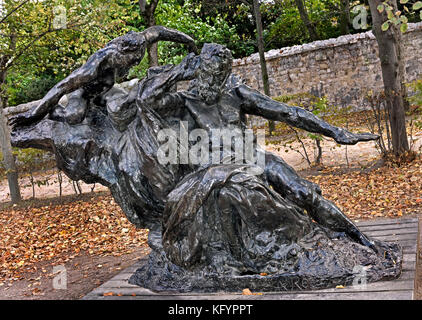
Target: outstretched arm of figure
{"points": [[255, 103], [85, 74], [156, 88], [160, 33], [89, 72]]}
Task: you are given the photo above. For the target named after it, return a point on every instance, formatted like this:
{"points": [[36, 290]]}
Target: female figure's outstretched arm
{"points": [[99, 73]]}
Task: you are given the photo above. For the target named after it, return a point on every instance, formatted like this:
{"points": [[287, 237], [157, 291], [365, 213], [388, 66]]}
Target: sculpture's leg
{"points": [[305, 194]]}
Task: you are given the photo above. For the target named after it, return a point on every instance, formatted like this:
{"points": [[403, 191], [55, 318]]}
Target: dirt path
{"points": [[83, 274], [49, 190]]}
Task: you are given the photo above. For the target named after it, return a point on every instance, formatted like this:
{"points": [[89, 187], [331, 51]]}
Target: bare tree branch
{"points": [[13, 59]]}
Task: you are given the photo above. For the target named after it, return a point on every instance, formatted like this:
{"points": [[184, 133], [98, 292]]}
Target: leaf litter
{"points": [[59, 233]]}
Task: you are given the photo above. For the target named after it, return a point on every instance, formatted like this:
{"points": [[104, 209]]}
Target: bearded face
{"points": [[211, 82], [215, 68]]}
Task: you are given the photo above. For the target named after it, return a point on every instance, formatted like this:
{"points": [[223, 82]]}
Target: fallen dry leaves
{"points": [[384, 192], [248, 292], [58, 233]]}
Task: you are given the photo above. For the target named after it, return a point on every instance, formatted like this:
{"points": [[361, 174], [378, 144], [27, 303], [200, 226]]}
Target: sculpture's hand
{"points": [[22, 120], [192, 46], [160, 33], [349, 138], [37, 112], [188, 67]]}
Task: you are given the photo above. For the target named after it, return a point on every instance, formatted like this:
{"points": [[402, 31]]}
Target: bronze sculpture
{"points": [[214, 225]]}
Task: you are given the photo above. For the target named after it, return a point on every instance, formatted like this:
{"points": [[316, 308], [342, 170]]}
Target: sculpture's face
{"points": [[210, 85], [216, 62], [130, 51]]}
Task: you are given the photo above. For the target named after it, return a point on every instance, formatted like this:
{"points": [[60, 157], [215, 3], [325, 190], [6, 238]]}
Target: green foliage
{"points": [[39, 49], [22, 89], [281, 20], [400, 18], [140, 70], [185, 18], [30, 160], [290, 26], [317, 105], [416, 87], [416, 100], [287, 28]]}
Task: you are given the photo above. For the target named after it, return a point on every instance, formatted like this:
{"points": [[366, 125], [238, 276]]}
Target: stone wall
{"points": [[342, 69]]}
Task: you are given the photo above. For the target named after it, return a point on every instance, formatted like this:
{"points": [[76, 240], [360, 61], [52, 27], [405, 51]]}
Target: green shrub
{"points": [[416, 87], [25, 89], [30, 160]]}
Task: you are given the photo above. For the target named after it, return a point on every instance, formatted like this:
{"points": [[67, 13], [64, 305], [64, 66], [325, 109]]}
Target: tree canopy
{"points": [[45, 55]]}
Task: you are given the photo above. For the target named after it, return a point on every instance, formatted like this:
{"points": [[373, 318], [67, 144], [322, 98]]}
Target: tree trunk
{"points": [[6, 149], [153, 48], [305, 18], [390, 53], [148, 11], [344, 16], [260, 41], [153, 55]]}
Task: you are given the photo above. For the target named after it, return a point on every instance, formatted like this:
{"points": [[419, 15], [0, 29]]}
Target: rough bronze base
{"points": [[160, 275]]}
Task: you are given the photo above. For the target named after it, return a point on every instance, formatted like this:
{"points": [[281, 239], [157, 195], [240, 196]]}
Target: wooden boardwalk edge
{"points": [[418, 271], [405, 231]]}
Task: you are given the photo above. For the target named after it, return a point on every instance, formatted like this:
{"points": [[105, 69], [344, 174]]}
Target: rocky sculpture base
{"points": [[344, 264]]}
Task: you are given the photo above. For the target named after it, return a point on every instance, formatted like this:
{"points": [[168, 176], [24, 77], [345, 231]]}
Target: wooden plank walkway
{"points": [[404, 231]]}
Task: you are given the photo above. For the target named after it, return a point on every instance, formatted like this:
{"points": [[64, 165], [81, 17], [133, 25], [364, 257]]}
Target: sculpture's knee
{"points": [[292, 186], [57, 114], [301, 193]]}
